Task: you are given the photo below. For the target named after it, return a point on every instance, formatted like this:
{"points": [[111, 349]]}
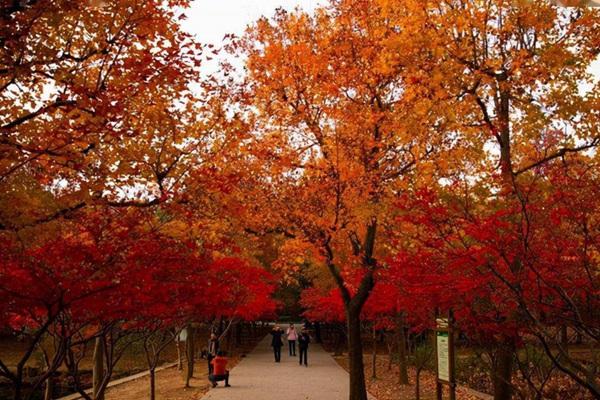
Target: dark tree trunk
{"points": [[354, 304], [17, 386], [402, 360], [238, 333], [179, 355], [339, 338], [49, 384], [49, 388], [503, 363], [190, 353], [358, 389], [152, 383], [390, 346], [98, 369], [502, 372], [230, 344], [221, 326], [418, 385], [374, 355], [564, 338], [318, 332]]}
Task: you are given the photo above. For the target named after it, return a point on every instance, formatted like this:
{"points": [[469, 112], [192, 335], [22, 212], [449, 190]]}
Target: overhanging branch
{"points": [[560, 153]]}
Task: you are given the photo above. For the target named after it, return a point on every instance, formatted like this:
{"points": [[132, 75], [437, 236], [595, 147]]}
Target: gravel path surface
{"points": [[259, 377]]}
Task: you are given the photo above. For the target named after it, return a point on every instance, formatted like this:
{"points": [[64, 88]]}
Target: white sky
{"points": [[210, 20]]}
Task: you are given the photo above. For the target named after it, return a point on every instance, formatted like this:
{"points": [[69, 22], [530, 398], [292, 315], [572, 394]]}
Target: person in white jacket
{"points": [[292, 336]]}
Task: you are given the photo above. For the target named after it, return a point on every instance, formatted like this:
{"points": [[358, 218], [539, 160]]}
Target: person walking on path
{"points": [[303, 341], [276, 342], [292, 335], [213, 350], [219, 370]]}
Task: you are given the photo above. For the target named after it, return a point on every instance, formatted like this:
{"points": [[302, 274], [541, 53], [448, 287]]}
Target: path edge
{"points": [[117, 382]]}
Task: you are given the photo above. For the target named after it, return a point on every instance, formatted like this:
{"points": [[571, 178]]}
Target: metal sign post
{"points": [[444, 354]]}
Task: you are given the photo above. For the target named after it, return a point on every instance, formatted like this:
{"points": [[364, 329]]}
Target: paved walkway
{"points": [[259, 377]]}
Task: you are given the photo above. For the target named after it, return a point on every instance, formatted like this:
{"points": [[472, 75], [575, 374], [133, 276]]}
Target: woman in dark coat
{"points": [[303, 341], [276, 342]]}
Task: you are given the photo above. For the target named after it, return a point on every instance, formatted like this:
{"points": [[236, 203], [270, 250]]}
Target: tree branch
{"points": [[560, 153], [24, 118]]}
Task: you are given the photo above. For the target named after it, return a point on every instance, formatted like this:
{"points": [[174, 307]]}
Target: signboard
{"points": [[443, 356], [444, 350]]}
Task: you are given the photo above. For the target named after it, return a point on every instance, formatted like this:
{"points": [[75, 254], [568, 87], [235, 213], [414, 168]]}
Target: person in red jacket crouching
{"points": [[219, 372]]}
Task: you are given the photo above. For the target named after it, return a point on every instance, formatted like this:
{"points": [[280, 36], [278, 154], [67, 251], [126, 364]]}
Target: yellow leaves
{"points": [[297, 257], [178, 229]]}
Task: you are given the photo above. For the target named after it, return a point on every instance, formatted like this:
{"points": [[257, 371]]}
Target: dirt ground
{"points": [[170, 381], [386, 387], [169, 385]]}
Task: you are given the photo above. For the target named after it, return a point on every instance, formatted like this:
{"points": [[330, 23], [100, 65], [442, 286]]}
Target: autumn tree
{"points": [[78, 81], [516, 75], [464, 245], [63, 287], [99, 121], [338, 133]]}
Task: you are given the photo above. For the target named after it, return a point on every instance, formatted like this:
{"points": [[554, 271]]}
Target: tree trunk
{"points": [[17, 386], [418, 385], [152, 383], [230, 344], [318, 332], [592, 370], [238, 334], [190, 352], [390, 345], [338, 340], [98, 369], [502, 372], [49, 388], [402, 360], [179, 355], [374, 356], [502, 367], [354, 304], [564, 338], [358, 389], [221, 326]]}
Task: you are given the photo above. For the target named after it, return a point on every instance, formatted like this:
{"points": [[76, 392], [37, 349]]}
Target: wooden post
{"points": [[98, 369], [452, 366], [189, 345]]}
